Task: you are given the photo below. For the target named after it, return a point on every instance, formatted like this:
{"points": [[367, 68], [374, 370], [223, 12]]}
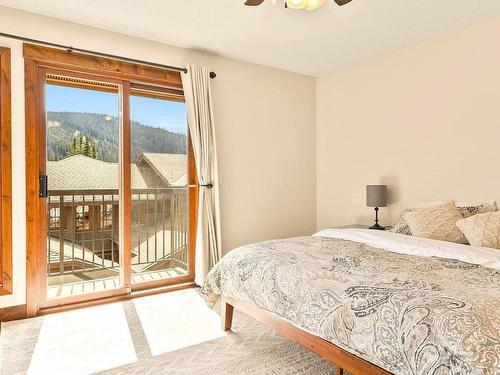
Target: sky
{"points": [[154, 112]]}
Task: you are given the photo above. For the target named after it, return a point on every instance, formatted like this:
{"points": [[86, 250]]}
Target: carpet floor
{"points": [[172, 333]]}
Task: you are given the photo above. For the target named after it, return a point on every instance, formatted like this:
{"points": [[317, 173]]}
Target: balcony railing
{"points": [[84, 235]]}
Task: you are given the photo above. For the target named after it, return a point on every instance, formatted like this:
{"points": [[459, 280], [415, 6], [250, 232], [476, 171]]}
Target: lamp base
{"points": [[377, 226]]}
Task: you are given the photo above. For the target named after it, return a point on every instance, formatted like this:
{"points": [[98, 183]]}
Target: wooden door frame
{"points": [[5, 174], [38, 61]]}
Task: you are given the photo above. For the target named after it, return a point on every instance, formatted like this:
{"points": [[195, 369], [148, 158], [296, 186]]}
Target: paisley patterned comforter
{"points": [[407, 314]]}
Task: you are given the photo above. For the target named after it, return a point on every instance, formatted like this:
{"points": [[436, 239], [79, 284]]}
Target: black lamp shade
{"points": [[376, 195]]}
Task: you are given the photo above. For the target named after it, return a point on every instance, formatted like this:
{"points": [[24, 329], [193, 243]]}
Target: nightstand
{"points": [[358, 226]]}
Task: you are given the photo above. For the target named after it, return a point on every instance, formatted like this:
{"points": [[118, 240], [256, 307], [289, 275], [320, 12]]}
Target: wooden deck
{"points": [[96, 281]]}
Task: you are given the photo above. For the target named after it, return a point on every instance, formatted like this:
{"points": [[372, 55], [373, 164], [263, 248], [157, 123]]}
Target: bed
{"points": [[371, 301]]}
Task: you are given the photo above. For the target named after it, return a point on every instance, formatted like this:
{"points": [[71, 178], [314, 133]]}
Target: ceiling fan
{"points": [[298, 4]]}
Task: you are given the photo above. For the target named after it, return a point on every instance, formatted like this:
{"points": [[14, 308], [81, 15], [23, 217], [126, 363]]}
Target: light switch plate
{"points": [[356, 200]]}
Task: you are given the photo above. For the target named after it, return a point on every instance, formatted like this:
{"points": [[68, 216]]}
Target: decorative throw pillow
{"points": [[436, 222], [471, 209], [482, 230], [401, 226], [467, 209]]}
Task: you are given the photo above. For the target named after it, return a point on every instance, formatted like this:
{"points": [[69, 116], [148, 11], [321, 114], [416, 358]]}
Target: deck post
{"points": [[226, 313]]}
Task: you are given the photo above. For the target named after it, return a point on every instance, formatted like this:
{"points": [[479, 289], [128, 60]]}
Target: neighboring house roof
{"points": [[171, 168], [80, 172]]}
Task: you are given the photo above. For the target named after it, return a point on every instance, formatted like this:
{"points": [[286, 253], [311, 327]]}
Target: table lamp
{"points": [[376, 196]]}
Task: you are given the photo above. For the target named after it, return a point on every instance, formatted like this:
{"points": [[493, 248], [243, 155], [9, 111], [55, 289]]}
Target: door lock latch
{"points": [[44, 186]]}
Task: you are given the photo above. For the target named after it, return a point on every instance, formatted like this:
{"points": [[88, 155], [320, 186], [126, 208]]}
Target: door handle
{"points": [[44, 186]]}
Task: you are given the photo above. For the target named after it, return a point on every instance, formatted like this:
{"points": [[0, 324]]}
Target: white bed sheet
{"points": [[411, 245]]}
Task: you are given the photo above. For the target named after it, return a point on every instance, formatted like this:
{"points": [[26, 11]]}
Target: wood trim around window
{"points": [[73, 61], [5, 174], [40, 61]]}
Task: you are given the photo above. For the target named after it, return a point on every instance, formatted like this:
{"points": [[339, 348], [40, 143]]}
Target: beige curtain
{"points": [[196, 83]]}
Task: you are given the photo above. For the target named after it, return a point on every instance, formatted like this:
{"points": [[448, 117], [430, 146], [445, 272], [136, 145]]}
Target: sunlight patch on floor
{"points": [[83, 341], [176, 320]]}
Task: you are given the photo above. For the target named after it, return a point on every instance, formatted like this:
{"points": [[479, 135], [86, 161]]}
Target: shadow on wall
{"points": [[393, 197], [393, 191]]}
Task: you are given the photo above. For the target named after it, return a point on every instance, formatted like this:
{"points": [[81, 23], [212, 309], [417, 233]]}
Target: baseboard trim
{"points": [[13, 313]]}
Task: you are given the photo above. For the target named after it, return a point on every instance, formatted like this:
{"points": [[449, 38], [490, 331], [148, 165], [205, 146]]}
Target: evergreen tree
{"points": [[87, 148], [73, 148], [82, 145]]}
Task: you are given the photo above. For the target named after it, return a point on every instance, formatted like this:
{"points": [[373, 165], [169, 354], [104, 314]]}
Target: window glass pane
{"points": [[159, 188], [83, 181]]}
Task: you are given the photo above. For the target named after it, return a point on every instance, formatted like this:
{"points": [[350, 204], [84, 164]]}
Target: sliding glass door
{"points": [[117, 186], [83, 120]]}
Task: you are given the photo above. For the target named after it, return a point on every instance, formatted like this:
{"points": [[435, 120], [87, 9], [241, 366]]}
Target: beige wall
{"points": [[265, 129], [425, 120]]}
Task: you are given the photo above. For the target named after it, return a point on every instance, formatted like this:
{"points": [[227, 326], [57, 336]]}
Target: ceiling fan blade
{"points": [[253, 3], [342, 2]]}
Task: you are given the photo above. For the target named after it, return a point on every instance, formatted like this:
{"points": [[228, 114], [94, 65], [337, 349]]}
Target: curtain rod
{"points": [[99, 54]]}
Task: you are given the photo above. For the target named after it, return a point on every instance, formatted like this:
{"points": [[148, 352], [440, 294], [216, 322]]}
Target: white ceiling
{"points": [[313, 43]]}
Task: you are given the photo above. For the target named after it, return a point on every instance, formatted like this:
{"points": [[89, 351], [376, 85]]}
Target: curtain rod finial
{"points": [[213, 75]]}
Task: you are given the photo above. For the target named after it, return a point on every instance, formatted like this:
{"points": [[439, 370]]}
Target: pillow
{"points": [[401, 226], [482, 230], [471, 209], [467, 209], [436, 222]]}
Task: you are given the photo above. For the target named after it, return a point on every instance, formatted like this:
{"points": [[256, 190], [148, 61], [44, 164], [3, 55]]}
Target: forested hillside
{"points": [[63, 127]]}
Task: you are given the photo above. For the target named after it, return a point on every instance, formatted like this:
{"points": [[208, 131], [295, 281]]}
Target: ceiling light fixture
{"points": [[298, 4], [314, 4]]}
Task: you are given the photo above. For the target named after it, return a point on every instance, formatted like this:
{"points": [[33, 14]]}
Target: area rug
{"points": [[172, 333]]}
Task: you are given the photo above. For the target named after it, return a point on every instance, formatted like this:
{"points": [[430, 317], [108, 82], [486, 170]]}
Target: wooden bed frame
{"points": [[340, 358]]}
